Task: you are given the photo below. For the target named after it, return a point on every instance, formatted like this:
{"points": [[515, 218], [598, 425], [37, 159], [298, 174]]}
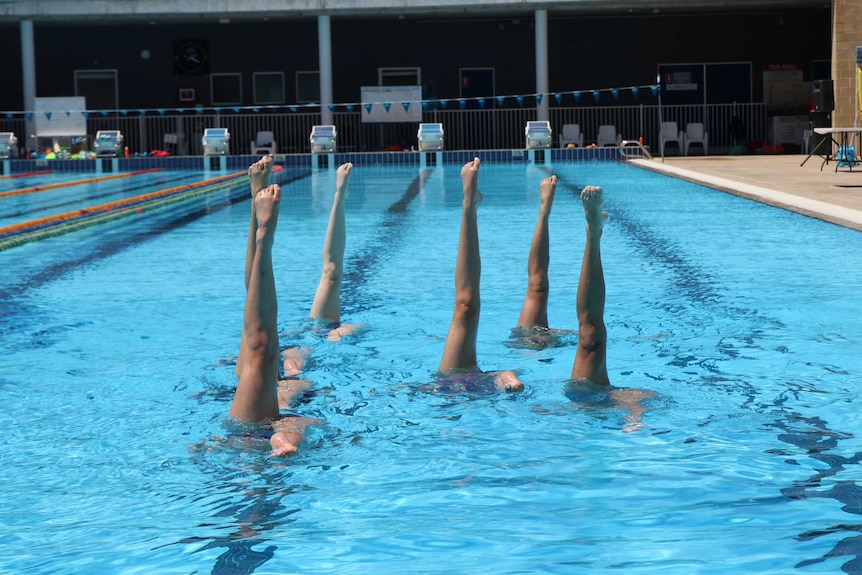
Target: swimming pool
{"points": [[742, 318]]}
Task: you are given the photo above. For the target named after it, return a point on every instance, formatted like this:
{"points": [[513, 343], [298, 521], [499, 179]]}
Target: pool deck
{"points": [[777, 180]]}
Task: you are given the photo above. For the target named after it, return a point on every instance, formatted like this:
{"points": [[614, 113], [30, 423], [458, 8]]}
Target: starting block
{"points": [[322, 139], [216, 142], [8, 143], [108, 143], [538, 135], [430, 137]]}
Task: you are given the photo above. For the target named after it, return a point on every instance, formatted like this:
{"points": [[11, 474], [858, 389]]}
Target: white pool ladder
{"points": [[634, 144]]}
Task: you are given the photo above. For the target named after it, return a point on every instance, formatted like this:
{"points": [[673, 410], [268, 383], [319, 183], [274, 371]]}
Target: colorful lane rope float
{"points": [[51, 226]]}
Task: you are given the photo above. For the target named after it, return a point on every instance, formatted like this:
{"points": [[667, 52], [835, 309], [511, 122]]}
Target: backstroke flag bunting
{"points": [[407, 105]]}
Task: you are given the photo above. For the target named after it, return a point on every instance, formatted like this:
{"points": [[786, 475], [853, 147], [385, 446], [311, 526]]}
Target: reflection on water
{"points": [[814, 436]]}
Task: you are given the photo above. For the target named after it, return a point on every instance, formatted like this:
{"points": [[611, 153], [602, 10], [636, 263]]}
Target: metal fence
{"points": [[499, 129]]}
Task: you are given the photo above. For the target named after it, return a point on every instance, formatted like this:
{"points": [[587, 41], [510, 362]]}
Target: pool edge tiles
{"points": [[409, 157]]}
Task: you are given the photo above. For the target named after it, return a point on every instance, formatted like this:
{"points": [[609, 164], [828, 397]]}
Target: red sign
{"points": [[188, 95]]}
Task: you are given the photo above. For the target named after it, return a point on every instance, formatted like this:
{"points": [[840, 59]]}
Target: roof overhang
{"points": [[233, 10]]}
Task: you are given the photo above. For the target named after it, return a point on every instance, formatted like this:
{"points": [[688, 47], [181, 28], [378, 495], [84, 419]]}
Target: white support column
{"points": [[541, 30], [324, 49], [28, 68]]}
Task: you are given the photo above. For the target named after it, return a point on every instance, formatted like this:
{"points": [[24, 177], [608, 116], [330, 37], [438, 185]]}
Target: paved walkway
{"points": [[778, 181]]}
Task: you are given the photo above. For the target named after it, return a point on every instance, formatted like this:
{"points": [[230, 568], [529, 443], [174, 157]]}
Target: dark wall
{"points": [[585, 53], [441, 48], [605, 52]]}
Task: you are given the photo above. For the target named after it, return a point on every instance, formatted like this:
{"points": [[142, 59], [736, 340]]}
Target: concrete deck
{"points": [[777, 180]]}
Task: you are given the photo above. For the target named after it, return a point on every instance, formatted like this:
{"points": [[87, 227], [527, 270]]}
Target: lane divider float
{"points": [[76, 183], [51, 226], [25, 175]]}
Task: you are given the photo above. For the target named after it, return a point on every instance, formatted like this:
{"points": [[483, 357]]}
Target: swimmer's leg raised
{"points": [[258, 175], [256, 397], [460, 349], [327, 299], [534, 312], [590, 359]]}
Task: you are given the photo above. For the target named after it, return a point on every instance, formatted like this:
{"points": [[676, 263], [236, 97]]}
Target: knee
{"points": [[261, 347], [591, 337], [538, 285], [332, 272], [466, 307]]}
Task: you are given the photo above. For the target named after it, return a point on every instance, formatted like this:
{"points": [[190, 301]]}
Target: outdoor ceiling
{"points": [[237, 10]]}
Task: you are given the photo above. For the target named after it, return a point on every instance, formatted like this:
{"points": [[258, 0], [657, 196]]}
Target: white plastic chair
{"points": [[571, 135], [264, 143], [608, 136], [175, 143], [695, 134], [670, 133], [538, 134]]}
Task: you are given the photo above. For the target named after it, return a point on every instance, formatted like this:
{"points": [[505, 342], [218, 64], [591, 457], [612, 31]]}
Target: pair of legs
{"points": [[590, 358], [327, 300], [590, 364], [258, 396], [459, 353]]}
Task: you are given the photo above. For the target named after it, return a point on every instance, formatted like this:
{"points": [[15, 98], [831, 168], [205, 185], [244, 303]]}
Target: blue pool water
{"points": [[743, 319]]}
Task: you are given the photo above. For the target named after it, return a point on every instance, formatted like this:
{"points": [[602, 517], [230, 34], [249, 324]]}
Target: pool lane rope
{"points": [[52, 226], [33, 189], [25, 175]]}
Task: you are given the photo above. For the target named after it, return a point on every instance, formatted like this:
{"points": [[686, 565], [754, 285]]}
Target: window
{"points": [[99, 87], [269, 87], [308, 87], [399, 76], [226, 89]]}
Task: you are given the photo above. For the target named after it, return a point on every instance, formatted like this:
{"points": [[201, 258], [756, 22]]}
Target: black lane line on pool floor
{"points": [[15, 314], [361, 264], [815, 439], [693, 293]]}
